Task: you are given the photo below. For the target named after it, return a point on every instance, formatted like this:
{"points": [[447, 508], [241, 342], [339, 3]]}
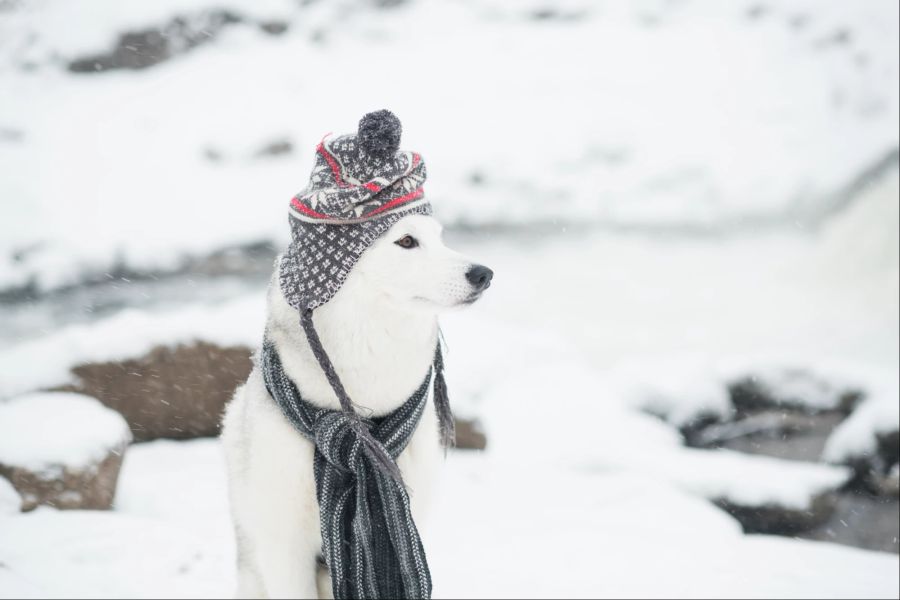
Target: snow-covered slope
{"points": [[699, 114], [495, 532]]}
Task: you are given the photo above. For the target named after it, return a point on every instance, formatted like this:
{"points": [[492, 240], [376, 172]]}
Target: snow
{"points": [[176, 481], [742, 479], [857, 436], [688, 115], [10, 501], [600, 432], [614, 535], [680, 389], [95, 554], [76, 431], [618, 127], [611, 534]]}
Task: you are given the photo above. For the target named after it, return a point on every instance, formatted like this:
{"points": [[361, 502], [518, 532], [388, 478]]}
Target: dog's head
{"points": [[411, 265]]}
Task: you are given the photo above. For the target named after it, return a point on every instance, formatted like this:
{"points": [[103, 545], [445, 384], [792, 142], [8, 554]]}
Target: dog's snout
{"points": [[480, 277]]}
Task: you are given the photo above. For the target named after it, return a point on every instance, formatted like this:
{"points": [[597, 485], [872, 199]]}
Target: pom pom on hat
{"points": [[379, 133]]}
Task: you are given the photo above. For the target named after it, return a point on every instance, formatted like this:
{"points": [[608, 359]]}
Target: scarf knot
{"points": [[337, 438]]}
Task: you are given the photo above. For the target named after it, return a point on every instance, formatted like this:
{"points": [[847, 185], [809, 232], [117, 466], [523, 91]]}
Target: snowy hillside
{"points": [[701, 114]]}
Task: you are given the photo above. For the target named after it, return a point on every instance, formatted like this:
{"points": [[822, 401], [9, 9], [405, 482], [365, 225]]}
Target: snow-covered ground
{"points": [[699, 115], [497, 530]]}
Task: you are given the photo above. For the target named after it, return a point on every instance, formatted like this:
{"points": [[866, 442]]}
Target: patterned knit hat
{"points": [[360, 186]]}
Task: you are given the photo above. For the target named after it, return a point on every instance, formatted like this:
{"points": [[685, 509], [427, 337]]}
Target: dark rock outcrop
{"points": [[779, 390], [780, 520], [791, 414], [148, 47]]}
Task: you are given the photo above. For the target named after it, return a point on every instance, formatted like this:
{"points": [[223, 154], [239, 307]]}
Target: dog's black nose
{"points": [[480, 277]]}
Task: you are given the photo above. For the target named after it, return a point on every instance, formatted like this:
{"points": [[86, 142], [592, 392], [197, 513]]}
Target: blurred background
{"points": [[683, 382]]}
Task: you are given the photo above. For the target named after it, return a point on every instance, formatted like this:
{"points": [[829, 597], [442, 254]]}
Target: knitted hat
{"points": [[360, 186]]}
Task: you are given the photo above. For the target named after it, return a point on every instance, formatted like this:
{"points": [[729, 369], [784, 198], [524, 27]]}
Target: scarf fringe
{"points": [[446, 423]]}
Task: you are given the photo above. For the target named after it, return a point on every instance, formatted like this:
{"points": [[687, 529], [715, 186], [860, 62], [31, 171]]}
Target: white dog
{"points": [[380, 331]]}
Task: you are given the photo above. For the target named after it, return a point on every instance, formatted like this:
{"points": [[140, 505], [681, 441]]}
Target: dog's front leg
{"points": [[281, 509], [288, 566]]}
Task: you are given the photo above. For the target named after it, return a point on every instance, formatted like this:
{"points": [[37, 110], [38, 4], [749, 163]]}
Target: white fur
{"points": [[380, 331]]}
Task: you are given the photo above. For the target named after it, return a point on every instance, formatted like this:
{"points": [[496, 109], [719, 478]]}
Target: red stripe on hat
{"points": [[418, 193], [296, 203], [335, 169], [372, 186]]}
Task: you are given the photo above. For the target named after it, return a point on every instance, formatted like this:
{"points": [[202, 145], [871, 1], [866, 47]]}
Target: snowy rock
{"points": [[687, 393], [795, 389], [781, 520], [869, 440], [74, 460], [10, 500], [175, 392]]}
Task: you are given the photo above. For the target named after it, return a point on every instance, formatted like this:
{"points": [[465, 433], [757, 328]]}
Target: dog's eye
{"points": [[407, 241]]}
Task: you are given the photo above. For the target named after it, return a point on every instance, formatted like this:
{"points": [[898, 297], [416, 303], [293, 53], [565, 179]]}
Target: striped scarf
{"points": [[369, 540]]}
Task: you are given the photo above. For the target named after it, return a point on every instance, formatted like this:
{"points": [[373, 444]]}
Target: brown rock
{"points": [[61, 450], [92, 488], [177, 393], [470, 435]]}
